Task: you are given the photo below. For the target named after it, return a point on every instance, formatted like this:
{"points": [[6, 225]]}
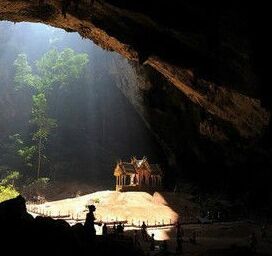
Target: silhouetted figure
{"points": [[104, 229], [143, 230], [120, 228], [152, 243], [253, 242], [114, 228], [89, 223]]}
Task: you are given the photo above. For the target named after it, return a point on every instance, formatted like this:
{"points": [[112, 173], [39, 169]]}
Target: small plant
{"points": [[7, 186], [96, 200], [7, 192]]}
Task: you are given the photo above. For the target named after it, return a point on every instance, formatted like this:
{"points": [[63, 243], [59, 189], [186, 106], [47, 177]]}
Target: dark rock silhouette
{"points": [[19, 230]]}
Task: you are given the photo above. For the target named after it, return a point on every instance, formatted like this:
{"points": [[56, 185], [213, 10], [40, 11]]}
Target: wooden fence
{"points": [[80, 218]]}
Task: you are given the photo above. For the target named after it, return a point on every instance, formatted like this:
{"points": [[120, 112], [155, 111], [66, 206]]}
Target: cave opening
{"points": [[67, 93], [187, 91]]}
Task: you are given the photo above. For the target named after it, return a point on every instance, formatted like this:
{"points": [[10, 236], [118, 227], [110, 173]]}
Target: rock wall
{"points": [[207, 102]]}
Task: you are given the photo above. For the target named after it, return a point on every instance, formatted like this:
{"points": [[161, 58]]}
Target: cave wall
{"points": [[198, 145], [206, 52], [207, 78]]}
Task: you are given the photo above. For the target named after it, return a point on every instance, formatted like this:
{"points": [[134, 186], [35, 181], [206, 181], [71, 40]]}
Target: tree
{"points": [[43, 125], [24, 77], [53, 69], [25, 152], [57, 68], [10, 178]]}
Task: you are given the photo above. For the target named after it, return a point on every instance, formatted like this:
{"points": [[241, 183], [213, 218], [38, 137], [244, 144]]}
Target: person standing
{"points": [[104, 229], [89, 223], [152, 243], [144, 232]]}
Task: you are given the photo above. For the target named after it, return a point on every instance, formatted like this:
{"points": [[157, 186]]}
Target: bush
{"points": [[7, 192]]}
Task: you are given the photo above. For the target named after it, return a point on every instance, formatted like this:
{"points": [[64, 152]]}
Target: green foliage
{"points": [[96, 200], [54, 68], [27, 154], [40, 182], [7, 192], [43, 125], [40, 118], [7, 189], [16, 138], [24, 76], [60, 67], [10, 178], [37, 186]]}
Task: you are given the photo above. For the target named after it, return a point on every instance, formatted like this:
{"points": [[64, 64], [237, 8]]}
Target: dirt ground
{"points": [[219, 236], [135, 207]]}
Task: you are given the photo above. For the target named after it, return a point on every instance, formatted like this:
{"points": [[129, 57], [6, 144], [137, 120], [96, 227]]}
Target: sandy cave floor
{"points": [[136, 207], [133, 207]]}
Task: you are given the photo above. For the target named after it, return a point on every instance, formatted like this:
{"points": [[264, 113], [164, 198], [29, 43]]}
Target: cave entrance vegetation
{"points": [[64, 117], [201, 92]]}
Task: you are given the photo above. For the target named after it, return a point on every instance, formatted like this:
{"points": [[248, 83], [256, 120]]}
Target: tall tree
{"points": [[53, 69], [43, 125]]}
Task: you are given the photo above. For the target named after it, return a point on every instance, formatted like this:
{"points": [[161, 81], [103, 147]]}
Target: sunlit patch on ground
{"points": [[133, 207]]}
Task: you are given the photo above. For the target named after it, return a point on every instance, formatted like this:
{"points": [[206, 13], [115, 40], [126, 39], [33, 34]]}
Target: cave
{"points": [[183, 83]]}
